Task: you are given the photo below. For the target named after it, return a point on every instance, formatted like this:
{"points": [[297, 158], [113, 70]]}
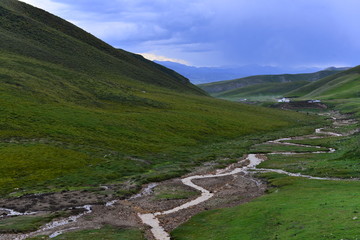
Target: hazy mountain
{"points": [[199, 75]]}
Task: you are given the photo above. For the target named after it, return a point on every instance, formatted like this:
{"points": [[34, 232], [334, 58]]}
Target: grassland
{"points": [[343, 163], [173, 192], [105, 233], [343, 85], [268, 148], [295, 209], [24, 224]]}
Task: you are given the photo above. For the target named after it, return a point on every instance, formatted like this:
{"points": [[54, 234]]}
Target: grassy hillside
{"points": [[339, 86], [341, 90], [223, 86], [261, 91], [76, 112], [31, 32]]}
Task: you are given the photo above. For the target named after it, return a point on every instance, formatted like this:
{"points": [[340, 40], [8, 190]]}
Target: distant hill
{"points": [[261, 91], [224, 86], [199, 75], [343, 85]]}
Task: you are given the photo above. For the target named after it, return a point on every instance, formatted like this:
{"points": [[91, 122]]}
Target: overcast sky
{"points": [[228, 32]]}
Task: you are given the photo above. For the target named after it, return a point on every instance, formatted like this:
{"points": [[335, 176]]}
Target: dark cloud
{"points": [[212, 32]]}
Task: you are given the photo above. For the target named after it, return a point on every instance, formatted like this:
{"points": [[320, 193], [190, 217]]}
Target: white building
{"points": [[284, 100]]}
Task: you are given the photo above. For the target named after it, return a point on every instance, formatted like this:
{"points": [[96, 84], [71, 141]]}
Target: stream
{"points": [[152, 220]]}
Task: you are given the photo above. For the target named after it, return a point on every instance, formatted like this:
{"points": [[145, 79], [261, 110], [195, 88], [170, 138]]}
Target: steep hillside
{"points": [[34, 33], [262, 91], [223, 86], [76, 113], [340, 86]]}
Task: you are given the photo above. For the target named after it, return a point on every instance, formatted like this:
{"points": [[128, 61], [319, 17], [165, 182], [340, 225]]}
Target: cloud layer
{"points": [[229, 32]]}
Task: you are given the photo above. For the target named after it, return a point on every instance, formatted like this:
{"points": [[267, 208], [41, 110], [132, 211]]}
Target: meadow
{"points": [[295, 209], [105, 233], [51, 141]]}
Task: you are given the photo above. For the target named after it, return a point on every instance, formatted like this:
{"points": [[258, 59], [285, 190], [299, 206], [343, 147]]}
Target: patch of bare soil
{"points": [[229, 191], [53, 201], [154, 202]]}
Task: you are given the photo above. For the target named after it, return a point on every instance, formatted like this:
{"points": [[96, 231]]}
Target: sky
{"points": [[285, 33]]}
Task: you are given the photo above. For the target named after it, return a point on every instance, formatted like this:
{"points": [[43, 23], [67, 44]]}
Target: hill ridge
{"points": [[223, 86]]}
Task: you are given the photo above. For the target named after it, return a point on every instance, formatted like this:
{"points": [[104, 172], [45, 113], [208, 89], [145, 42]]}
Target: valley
{"points": [[208, 188], [98, 142]]}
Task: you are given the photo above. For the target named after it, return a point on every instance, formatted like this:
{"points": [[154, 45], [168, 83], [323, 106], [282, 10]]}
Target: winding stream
{"points": [[151, 219]]}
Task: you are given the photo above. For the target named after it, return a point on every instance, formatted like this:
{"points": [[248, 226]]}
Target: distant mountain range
{"points": [[199, 75], [265, 86]]}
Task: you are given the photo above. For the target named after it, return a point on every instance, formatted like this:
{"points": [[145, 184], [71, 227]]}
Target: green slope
{"points": [[342, 85], [299, 209], [262, 91], [76, 112], [223, 86], [31, 32]]}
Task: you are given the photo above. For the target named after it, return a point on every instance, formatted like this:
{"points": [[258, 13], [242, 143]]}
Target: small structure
{"points": [[284, 100]]}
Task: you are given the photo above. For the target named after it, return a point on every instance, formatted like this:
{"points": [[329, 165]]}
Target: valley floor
{"points": [[205, 189]]}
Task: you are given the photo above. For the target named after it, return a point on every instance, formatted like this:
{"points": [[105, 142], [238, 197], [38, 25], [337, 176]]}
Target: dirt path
{"points": [[224, 187]]}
